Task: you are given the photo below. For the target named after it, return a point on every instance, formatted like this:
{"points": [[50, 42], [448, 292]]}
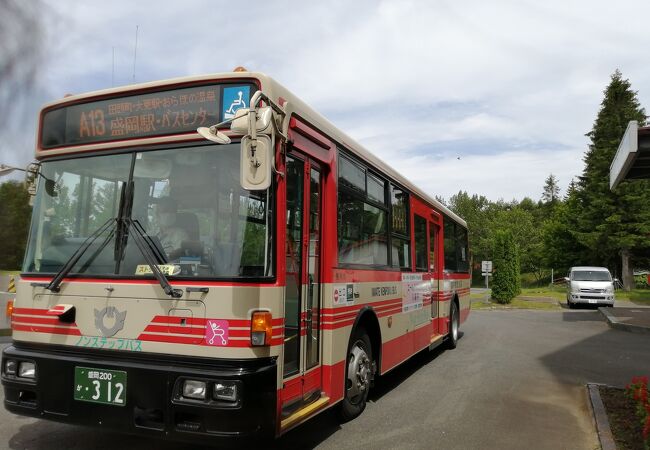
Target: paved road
{"points": [[516, 380]]}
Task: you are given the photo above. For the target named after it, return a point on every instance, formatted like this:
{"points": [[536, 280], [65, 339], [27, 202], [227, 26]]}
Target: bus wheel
{"points": [[358, 376], [454, 325]]}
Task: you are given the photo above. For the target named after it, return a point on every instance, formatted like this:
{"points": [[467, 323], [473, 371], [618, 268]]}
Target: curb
{"points": [[615, 323], [600, 416]]}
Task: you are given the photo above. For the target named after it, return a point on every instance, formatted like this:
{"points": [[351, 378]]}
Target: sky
{"points": [[485, 97]]}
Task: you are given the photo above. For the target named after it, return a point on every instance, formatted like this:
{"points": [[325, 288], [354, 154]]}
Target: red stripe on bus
{"points": [[178, 283], [334, 326], [50, 330], [456, 276], [191, 340], [335, 310], [191, 331], [176, 320], [31, 311], [390, 312], [345, 276], [41, 321]]}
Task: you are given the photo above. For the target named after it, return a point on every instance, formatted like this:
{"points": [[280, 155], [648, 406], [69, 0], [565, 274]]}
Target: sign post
{"points": [[486, 268]]}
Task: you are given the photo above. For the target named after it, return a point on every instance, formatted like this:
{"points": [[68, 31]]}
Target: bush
{"points": [[506, 282], [15, 213], [638, 392]]}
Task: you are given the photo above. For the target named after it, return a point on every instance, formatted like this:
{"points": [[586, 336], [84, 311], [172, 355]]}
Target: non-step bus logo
{"points": [[216, 332], [112, 313]]}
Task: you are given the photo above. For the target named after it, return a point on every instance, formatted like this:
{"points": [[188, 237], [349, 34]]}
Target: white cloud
{"points": [[511, 87]]}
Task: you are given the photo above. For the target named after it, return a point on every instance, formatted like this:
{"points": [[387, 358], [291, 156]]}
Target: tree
{"points": [[612, 224], [14, 223], [551, 192], [522, 225], [506, 282]]}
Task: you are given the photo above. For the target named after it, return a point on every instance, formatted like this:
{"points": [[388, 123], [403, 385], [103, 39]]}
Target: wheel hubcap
{"points": [[358, 373]]}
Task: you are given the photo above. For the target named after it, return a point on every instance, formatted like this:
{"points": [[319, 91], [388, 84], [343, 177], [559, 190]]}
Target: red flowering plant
{"points": [[637, 390]]}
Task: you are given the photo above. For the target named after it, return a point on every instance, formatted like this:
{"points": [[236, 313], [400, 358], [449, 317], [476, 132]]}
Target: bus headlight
{"points": [[27, 370], [226, 390], [10, 367], [194, 389]]}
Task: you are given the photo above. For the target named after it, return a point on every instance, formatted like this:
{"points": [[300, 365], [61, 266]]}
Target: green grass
{"points": [[9, 272], [518, 303], [556, 292], [530, 298], [637, 296]]}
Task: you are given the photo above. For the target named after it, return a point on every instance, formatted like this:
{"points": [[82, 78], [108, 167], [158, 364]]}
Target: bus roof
{"points": [[275, 91]]}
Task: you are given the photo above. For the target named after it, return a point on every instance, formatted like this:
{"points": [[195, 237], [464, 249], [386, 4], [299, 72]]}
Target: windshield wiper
{"points": [[129, 227], [55, 284], [149, 252]]}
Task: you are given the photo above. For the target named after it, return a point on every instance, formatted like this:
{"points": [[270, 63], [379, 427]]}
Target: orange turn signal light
{"points": [[9, 309], [261, 328]]}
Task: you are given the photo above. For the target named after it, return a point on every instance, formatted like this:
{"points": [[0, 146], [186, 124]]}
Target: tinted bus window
{"points": [[420, 243], [462, 257], [362, 232], [450, 245]]}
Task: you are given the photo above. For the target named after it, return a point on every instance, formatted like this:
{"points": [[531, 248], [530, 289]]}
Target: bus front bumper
{"points": [[154, 404]]}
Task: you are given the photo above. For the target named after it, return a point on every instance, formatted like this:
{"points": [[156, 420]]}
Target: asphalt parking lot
{"points": [[516, 380]]}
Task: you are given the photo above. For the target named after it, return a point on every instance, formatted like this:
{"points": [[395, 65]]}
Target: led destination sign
{"points": [[155, 114]]}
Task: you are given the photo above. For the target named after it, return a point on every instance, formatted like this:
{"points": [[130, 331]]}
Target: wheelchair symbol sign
{"points": [[235, 98]]}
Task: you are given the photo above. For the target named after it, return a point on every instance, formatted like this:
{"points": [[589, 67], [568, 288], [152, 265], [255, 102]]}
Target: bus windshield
{"points": [[188, 201]]}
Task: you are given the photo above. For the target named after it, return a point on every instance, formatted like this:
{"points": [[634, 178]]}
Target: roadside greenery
{"points": [[637, 391], [590, 225], [14, 223], [506, 282]]}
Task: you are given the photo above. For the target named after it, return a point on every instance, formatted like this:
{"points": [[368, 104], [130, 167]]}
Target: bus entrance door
{"points": [[435, 275], [302, 362]]}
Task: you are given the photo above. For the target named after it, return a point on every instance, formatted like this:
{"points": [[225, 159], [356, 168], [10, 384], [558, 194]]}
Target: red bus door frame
{"points": [[435, 268], [316, 153]]}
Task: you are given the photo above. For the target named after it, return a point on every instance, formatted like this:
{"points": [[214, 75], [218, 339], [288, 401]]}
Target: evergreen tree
{"points": [[14, 223], [612, 224], [506, 282], [551, 192]]}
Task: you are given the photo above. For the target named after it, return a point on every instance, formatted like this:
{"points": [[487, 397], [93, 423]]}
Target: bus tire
{"points": [[358, 376], [454, 326]]}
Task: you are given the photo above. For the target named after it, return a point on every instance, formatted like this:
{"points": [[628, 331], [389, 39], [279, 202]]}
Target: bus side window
{"points": [[432, 246]]}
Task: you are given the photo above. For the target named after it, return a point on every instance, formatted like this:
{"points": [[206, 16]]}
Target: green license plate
{"points": [[100, 386]]}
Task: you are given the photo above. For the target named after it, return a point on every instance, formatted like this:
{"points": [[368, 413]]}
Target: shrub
{"points": [[506, 282], [637, 390]]}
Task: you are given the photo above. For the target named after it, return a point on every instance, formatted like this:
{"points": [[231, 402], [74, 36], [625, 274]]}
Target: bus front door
{"points": [[302, 359]]}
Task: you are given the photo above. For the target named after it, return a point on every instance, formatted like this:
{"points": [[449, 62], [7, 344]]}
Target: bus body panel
{"points": [[163, 340]]}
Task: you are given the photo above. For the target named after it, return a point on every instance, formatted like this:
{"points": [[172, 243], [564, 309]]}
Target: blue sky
{"points": [[509, 87]]}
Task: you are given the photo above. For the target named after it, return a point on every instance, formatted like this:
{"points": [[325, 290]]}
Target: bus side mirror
{"points": [[256, 158], [256, 163]]}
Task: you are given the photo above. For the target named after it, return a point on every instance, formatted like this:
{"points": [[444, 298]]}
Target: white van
{"points": [[590, 285]]}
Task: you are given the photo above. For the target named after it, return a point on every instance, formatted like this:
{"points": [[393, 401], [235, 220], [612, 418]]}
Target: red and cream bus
{"points": [[235, 286]]}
